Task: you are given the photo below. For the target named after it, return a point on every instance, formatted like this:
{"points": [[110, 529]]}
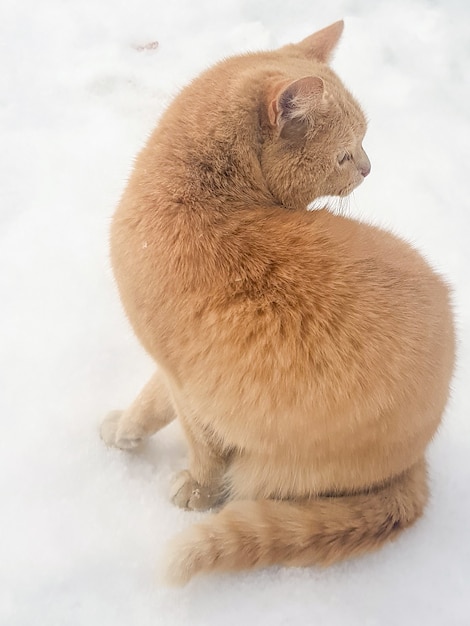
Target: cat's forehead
{"points": [[335, 90], [251, 76], [261, 66]]}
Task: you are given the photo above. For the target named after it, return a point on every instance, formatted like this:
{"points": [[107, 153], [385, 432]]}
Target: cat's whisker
{"points": [[345, 205], [339, 205]]}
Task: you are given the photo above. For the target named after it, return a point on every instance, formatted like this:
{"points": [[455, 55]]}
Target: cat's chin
{"points": [[350, 188]]}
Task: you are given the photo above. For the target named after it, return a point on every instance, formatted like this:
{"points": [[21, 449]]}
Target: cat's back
{"points": [[272, 281]]}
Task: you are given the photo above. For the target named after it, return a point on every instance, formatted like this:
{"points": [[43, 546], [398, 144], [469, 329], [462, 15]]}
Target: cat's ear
{"points": [[321, 44], [292, 102]]}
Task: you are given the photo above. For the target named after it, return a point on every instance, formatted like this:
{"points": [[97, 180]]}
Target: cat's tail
{"points": [[321, 531]]}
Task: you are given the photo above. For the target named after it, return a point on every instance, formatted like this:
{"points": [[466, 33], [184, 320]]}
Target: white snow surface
{"points": [[82, 527]]}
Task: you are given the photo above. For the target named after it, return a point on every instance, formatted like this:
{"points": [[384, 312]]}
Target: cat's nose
{"points": [[365, 169], [364, 163]]}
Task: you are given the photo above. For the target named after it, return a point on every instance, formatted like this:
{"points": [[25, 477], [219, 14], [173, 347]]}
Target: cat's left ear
{"points": [[321, 44], [292, 103]]}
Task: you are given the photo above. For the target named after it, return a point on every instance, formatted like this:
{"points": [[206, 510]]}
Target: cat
{"points": [[308, 356]]}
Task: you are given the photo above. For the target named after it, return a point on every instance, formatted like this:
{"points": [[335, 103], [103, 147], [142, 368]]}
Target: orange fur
{"points": [[307, 355]]}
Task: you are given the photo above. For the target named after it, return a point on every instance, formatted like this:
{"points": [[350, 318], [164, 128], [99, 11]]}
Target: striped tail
{"points": [[321, 531]]}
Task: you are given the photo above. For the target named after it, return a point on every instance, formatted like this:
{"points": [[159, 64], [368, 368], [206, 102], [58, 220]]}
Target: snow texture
{"points": [[82, 528]]}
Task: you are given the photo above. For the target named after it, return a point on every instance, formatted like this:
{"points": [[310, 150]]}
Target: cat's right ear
{"points": [[292, 103], [321, 44]]}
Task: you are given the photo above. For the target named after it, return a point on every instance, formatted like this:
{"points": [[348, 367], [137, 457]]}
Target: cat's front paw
{"points": [[188, 494], [113, 433]]}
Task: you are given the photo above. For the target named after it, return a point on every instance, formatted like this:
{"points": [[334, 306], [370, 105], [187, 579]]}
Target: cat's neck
{"points": [[213, 172]]}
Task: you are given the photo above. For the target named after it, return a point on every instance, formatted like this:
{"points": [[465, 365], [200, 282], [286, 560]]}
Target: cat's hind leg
{"points": [[150, 411], [202, 486]]}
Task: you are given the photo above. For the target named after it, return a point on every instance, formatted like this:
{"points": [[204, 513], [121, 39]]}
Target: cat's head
{"points": [[312, 127], [272, 125]]}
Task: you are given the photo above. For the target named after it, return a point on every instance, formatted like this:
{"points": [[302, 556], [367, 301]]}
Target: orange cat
{"points": [[307, 355]]}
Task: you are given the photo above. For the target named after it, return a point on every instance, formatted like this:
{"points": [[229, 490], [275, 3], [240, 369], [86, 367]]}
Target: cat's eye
{"points": [[343, 157]]}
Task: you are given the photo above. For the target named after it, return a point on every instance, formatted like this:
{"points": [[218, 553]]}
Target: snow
{"points": [[82, 528]]}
